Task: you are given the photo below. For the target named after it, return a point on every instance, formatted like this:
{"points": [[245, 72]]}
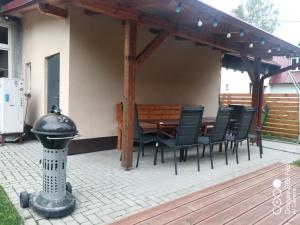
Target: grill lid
{"points": [[54, 123]]}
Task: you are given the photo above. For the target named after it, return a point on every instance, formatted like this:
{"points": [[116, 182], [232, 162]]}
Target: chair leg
{"points": [[139, 153], [248, 148], [198, 158], [155, 154], [185, 154], [203, 151], [233, 149], [143, 151], [226, 148], [121, 156], [231, 145], [211, 156], [162, 154], [220, 147], [236, 151], [175, 160], [260, 145], [181, 154]]}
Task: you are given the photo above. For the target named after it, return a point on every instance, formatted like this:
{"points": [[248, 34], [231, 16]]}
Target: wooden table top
{"points": [[169, 122]]}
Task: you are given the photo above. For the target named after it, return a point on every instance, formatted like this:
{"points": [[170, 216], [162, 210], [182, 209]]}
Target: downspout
{"points": [[297, 87]]}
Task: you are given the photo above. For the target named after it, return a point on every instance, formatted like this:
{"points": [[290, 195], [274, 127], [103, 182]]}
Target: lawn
{"points": [[297, 163], [8, 213]]}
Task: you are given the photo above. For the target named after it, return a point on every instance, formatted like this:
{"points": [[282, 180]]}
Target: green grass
{"points": [[296, 163], [8, 213], [270, 137]]}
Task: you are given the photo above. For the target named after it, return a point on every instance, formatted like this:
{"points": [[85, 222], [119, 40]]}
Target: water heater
{"points": [[11, 106]]}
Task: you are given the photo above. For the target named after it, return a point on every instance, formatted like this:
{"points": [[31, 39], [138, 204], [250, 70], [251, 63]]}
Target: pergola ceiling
{"points": [[180, 18]]}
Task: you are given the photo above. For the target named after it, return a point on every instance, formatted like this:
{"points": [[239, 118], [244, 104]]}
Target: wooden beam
{"points": [[90, 13], [248, 67], [129, 92], [151, 47], [153, 21], [142, 4], [256, 90], [17, 4], [51, 10]]}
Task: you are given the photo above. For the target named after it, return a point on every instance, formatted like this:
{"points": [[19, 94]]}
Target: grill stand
{"points": [[56, 199]]}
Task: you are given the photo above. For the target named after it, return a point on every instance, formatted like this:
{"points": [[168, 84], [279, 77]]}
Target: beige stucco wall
{"points": [[179, 72], [44, 36]]}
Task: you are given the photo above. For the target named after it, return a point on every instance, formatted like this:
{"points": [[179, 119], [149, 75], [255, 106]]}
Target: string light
{"points": [[278, 48], [200, 22], [269, 51], [228, 35], [251, 45], [242, 33], [178, 7], [215, 23], [262, 41]]}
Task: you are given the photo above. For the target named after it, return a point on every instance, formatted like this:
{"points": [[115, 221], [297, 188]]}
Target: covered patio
{"points": [[187, 21], [106, 193]]}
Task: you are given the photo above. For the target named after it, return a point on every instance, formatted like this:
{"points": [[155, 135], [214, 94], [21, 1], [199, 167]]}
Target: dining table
{"points": [[162, 124]]}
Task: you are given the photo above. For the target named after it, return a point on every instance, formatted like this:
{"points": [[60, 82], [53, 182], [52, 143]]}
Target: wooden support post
{"points": [[256, 89], [129, 93]]}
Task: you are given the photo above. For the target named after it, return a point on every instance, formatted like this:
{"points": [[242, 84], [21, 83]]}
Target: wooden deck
{"points": [[247, 199]]}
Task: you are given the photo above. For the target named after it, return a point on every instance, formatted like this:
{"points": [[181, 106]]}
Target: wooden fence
{"points": [[283, 117]]}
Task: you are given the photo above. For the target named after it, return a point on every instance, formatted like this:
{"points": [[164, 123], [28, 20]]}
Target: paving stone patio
{"points": [[105, 192]]}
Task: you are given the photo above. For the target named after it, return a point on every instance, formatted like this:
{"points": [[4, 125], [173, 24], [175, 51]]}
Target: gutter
{"points": [[297, 87]]}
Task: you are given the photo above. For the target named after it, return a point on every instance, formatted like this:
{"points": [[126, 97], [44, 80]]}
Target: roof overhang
{"points": [[161, 14]]}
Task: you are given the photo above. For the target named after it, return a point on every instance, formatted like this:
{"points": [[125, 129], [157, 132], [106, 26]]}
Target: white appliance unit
{"points": [[11, 106]]}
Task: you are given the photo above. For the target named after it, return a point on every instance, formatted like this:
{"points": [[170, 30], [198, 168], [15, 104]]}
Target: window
{"points": [[294, 61], [28, 78], [5, 52]]}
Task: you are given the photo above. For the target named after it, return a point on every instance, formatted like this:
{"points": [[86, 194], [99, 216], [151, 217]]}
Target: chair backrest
{"points": [[245, 124], [221, 125], [237, 111], [137, 133], [189, 123]]}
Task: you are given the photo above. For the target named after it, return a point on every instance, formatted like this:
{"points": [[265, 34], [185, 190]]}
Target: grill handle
{"points": [[62, 138]]}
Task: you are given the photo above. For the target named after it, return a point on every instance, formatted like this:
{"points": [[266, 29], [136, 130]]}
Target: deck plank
{"points": [[280, 218], [241, 200], [200, 214], [252, 202], [198, 204]]}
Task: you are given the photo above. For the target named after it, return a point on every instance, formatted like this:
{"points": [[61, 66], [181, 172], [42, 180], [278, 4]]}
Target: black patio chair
{"points": [[218, 133], [236, 115], [242, 132], [186, 135], [142, 137]]}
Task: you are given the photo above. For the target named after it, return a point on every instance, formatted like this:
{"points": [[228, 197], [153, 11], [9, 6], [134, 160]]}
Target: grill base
{"points": [[51, 208]]}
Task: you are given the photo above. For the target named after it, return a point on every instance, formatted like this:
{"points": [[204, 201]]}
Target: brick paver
{"points": [[105, 192]]}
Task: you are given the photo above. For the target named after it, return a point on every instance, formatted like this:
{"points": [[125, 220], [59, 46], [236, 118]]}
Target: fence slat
{"points": [[283, 117]]}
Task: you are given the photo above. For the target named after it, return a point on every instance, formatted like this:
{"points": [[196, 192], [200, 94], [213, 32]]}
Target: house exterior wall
{"points": [[282, 88], [44, 36], [179, 72]]}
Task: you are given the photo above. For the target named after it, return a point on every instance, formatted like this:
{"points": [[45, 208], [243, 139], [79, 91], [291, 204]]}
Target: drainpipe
{"points": [[297, 87]]}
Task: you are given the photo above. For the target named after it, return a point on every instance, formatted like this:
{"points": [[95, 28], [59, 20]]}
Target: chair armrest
{"points": [[166, 134], [149, 131]]}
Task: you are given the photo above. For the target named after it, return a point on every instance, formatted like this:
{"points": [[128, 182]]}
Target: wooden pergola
{"points": [[186, 19]]}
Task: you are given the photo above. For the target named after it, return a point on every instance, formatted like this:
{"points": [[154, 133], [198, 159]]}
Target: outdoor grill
{"points": [[54, 131]]}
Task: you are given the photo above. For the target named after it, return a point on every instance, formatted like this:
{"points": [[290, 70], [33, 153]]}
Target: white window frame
{"points": [[297, 61], [28, 76], [8, 47]]}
